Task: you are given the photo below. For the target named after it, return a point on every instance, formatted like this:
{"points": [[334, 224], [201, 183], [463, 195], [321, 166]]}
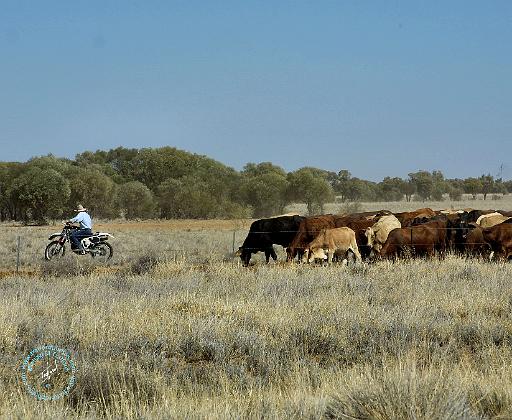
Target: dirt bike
{"points": [[95, 245]]}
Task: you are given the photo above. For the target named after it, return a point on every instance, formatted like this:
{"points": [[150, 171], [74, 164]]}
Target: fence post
{"points": [[18, 240], [234, 234]]}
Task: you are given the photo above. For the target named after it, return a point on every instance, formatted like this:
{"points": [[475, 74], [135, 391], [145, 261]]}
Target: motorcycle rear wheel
{"points": [[102, 252], [54, 250]]}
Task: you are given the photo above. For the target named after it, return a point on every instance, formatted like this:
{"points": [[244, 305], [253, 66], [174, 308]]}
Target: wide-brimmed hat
{"points": [[80, 208]]}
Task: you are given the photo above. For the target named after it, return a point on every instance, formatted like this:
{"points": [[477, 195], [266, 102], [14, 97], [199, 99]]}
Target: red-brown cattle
{"points": [[499, 237], [308, 230], [407, 217], [422, 240], [474, 243]]}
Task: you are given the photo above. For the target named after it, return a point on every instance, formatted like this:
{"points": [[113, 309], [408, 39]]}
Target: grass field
{"points": [[155, 335]]}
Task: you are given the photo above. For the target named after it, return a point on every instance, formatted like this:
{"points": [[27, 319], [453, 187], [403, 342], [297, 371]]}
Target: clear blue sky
{"points": [[376, 87]]}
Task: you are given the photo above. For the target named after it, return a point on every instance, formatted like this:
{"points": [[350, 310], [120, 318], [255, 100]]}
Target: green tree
{"points": [[265, 193], [42, 193], [472, 186], [314, 190], [408, 189], [263, 168], [341, 184], [423, 182], [391, 189], [508, 186], [135, 200], [10, 206], [190, 198], [93, 189], [455, 193], [488, 185]]}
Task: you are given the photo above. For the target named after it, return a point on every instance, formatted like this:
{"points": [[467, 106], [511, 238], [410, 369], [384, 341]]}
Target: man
{"points": [[85, 228]]}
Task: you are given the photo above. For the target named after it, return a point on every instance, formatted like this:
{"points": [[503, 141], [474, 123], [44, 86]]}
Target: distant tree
{"points": [[50, 162], [135, 200], [391, 189], [265, 193], [408, 189], [423, 182], [42, 193], [437, 191], [10, 205], [472, 186], [455, 193], [263, 168], [93, 189], [341, 183], [359, 189], [508, 186], [488, 185], [307, 186], [189, 198], [500, 187]]}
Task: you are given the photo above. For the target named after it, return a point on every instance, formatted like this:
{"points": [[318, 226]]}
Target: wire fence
{"points": [[22, 251], [19, 250]]}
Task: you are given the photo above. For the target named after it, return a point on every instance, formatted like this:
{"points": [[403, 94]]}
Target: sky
{"points": [[381, 88]]}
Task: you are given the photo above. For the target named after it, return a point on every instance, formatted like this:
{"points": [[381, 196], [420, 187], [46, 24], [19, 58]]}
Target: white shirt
{"points": [[84, 219]]}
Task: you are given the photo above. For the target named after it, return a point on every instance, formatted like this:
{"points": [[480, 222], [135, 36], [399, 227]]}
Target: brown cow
{"points": [[309, 229], [499, 237], [367, 214], [358, 224], [407, 217], [418, 240], [451, 229], [474, 243]]}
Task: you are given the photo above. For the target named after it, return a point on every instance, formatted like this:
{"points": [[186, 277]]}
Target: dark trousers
{"points": [[77, 236]]}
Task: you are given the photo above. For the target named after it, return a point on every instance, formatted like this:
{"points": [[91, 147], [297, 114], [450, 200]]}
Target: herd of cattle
{"points": [[382, 234]]}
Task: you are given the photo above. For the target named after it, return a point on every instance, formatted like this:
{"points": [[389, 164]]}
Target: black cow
{"points": [[473, 215], [266, 232]]}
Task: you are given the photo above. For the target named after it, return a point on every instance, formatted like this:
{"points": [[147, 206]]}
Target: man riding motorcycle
{"points": [[84, 231]]}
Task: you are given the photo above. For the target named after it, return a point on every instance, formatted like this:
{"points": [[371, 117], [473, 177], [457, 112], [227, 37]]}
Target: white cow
{"points": [[378, 233], [490, 220]]}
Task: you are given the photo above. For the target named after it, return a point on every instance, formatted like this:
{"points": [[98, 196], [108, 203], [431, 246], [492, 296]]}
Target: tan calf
{"points": [[339, 240]]}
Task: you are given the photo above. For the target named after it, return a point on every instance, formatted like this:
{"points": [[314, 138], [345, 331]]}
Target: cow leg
{"points": [[330, 255], [357, 254], [267, 255], [273, 254]]}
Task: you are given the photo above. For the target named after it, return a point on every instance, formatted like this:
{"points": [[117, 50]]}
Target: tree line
{"points": [[170, 183]]}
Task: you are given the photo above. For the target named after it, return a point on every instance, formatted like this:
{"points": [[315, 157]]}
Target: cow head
{"points": [[312, 254], [245, 255], [370, 236]]}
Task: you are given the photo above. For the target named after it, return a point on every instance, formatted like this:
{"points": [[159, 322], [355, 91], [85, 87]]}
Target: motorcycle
{"points": [[95, 245]]}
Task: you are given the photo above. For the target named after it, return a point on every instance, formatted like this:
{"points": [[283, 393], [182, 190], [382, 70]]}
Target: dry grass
{"points": [[193, 335], [419, 339], [504, 202]]}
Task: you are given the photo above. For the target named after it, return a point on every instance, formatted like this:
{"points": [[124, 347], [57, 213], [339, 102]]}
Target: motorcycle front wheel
{"points": [[54, 250], [102, 252]]}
